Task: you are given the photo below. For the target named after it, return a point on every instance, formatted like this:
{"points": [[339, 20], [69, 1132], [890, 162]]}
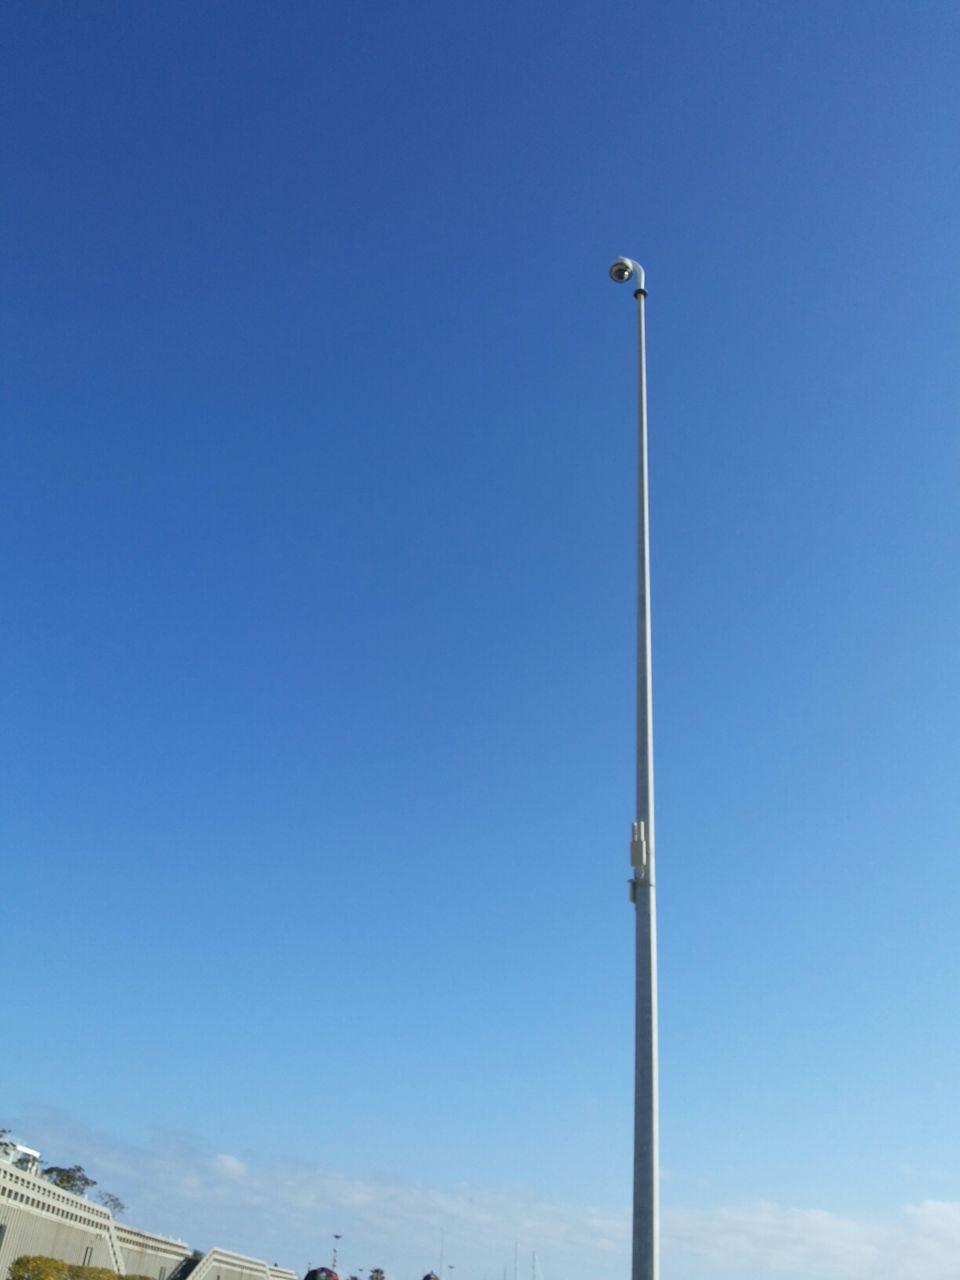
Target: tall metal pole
{"points": [[646, 1173]]}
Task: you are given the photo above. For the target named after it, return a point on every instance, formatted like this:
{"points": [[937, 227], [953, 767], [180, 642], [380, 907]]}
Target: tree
{"points": [[111, 1202], [37, 1267], [25, 1162], [6, 1146], [73, 1179], [377, 1274]]}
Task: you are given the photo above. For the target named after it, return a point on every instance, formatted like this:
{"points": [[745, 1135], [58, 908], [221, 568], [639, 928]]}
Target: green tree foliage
{"points": [[73, 1179], [36, 1267], [6, 1145], [111, 1202], [377, 1274]]}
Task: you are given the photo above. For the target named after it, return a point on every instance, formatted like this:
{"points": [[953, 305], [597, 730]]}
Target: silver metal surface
{"points": [[646, 1174]]}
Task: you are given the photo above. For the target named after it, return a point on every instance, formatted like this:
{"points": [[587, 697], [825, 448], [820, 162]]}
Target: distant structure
{"points": [[23, 1157], [38, 1218]]}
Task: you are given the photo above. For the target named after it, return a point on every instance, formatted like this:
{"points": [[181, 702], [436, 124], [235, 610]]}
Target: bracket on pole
{"points": [[638, 848]]}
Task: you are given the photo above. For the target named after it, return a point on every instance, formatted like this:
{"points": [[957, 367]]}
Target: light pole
{"points": [[646, 1173], [333, 1265]]}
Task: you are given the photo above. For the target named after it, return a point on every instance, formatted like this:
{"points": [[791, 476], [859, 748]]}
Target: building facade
{"points": [[38, 1218]]}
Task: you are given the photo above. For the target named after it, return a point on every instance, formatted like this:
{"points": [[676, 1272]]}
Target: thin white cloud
{"points": [[765, 1240], [229, 1167], [289, 1212]]}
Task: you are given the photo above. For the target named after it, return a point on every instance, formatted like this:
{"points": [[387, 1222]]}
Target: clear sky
{"points": [[317, 636]]}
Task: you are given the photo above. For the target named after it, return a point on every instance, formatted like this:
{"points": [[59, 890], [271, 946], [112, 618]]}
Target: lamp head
{"points": [[625, 269]]}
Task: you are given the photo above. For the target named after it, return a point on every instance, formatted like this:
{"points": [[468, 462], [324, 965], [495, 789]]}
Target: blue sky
{"points": [[317, 646]]}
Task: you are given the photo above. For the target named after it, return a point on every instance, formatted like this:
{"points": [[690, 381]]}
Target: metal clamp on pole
{"points": [[638, 848]]}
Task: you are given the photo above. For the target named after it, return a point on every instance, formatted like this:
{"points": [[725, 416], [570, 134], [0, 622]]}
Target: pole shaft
{"points": [[646, 1189]]}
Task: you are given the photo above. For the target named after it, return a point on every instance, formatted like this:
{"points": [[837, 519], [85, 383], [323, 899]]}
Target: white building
{"points": [[25, 1157], [38, 1218]]}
